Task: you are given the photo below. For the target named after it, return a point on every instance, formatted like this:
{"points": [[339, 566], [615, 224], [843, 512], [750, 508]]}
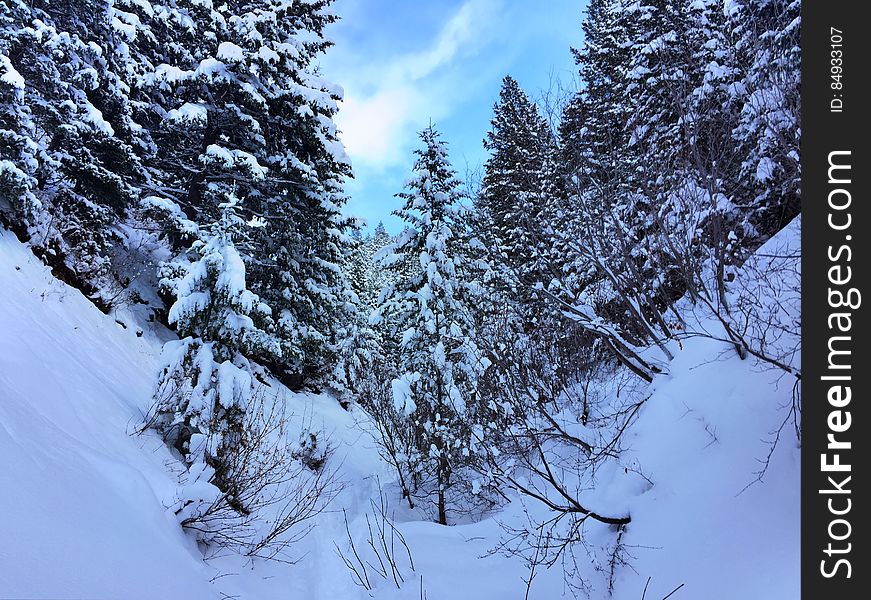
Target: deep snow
{"points": [[83, 502]]}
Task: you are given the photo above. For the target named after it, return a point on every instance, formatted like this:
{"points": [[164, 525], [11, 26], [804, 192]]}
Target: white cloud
{"points": [[386, 103], [459, 34], [370, 125]]}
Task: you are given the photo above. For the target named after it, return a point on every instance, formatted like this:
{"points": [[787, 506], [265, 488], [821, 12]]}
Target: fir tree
{"points": [[766, 36], [522, 199], [431, 307], [81, 146], [18, 149], [359, 346], [236, 105], [207, 379], [592, 131]]}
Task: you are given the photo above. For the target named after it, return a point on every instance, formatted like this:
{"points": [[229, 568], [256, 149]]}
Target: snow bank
{"points": [[84, 503], [704, 523]]}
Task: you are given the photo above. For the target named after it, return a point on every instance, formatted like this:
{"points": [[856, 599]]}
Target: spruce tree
{"points": [[431, 307], [359, 346], [522, 198], [18, 149], [236, 105], [592, 131], [510, 188], [81, 147], [207, 380], [766, 36]]}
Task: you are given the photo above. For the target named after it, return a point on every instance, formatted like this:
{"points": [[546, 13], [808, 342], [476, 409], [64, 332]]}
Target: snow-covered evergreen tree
{"points": [[359, 347], [592, 129], [236, 106], [431, 308], [766, 36], [367, 276], [605, 218], [521, 198], [79, 147], [18, 149], [207, 379]]}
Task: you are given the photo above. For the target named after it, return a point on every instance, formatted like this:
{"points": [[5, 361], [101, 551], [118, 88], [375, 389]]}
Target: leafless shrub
{"points": [[396, 443], [564, 409], [763, 317], [386, 549], [265, 498]]}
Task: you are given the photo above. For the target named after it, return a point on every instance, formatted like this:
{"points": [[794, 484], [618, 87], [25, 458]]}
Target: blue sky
{"points": [[402, 63]]}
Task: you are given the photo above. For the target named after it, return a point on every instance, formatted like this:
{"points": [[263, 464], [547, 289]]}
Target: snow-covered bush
{"points": [[266, 495], [207, 380], [312, 451]]}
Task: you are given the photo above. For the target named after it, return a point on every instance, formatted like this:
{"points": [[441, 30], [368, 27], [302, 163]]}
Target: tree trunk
{"points": [[442, 483]]}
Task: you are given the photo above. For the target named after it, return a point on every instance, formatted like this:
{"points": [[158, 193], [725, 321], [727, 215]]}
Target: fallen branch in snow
{"points": [[666, 597], [571, 505]]}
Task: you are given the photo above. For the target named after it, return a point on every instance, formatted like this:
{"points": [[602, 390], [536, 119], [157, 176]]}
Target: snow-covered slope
{"points": [[83, 501]]}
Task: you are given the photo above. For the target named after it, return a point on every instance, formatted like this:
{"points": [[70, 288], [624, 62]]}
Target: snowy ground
{"points": [[83, 501]]}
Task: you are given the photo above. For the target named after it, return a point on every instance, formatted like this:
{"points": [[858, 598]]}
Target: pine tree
{"points": [[207, 379], [605, 214], [236, 105], [766, 36], [432, 309], [704, 208], [370, 277], [359, 347], [609, 227], [593, 128], [307, 237], [668, 131], [522, 200], [81, 146], [378, 279], [18, 149]]}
